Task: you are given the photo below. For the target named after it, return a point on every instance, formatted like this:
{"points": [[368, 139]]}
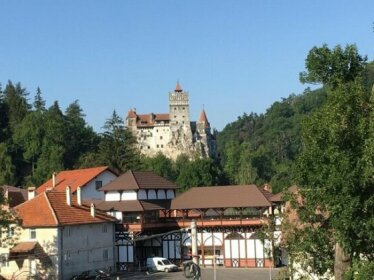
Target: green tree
{"points": [[117, 147], [80, 138], [199, 172], [159, 164], [15, 98], [330, 167], [7, 170]]}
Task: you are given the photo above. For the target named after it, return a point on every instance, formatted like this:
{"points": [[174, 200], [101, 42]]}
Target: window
{"points": [[162, 146], [158, 146], [105, 228], [32, 234], [105, 255], [98, 184], [161, 137], [149, 147]]}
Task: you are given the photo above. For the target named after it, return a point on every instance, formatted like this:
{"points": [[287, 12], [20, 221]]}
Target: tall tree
{"points": [[80, 138], [7, 170], [117, 147], [159, 164], [15, 98], [330, 167]]}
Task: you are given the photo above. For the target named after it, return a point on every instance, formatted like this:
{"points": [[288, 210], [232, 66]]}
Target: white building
{"points": [[56, 237], [173, 133]]}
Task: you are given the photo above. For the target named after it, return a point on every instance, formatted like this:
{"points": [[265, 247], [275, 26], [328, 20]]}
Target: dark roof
{"points": [[221, 197], [15, 195], [132, 205], [122, 206], [136, 180], [49, 209]]}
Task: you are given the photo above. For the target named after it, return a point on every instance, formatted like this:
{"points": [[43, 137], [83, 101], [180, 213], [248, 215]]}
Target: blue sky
{"points": [[231, 56]]}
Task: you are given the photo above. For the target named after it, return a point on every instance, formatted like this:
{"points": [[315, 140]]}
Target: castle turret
{"points": [[179, 107], [131, 119], [203, 126]]}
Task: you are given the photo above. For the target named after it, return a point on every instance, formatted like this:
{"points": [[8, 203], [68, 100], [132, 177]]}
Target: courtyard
{"points": [[208, 274]]}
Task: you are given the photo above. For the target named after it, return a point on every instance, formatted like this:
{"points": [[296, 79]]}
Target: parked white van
{"points": [[160, 264]]}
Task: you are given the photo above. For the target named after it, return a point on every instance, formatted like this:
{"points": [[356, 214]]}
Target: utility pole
{"points": [[195, 258]]}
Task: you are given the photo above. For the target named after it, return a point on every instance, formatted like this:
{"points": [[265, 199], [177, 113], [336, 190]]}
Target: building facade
{"points": [[173, 133], [55, 236]]}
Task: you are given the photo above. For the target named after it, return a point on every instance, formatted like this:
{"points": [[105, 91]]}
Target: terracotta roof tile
{"points": [[73, 178], [49, 209], [135, 180], [221, 197], [15, 195]]}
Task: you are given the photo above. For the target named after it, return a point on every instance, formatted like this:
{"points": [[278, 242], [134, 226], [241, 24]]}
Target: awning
{"points": [[23, 250]]}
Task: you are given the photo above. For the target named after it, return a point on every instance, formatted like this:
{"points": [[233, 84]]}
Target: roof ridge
{"points": [[136, 181], [52, 210]]}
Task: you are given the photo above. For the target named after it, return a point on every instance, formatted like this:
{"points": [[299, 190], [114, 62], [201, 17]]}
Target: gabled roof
{"points": [[49, 209], [132, 114], [221, 197], [136, 180], [149, 120], [73, 178]]}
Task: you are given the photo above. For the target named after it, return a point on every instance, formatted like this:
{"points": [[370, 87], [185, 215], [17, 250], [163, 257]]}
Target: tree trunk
{"points": [[342, 262]]}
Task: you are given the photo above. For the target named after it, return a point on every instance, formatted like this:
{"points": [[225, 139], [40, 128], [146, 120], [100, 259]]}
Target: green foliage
{"points": [[360, 270], [330, 168], [199, 172], [7, 172], [117, 146], [159, 164]]}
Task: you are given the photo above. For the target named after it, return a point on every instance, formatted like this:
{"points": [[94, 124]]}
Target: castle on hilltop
{"points": [[173, 133]]}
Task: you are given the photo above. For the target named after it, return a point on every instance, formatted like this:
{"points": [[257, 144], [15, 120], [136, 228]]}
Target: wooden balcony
{"points": [[177, 222]]}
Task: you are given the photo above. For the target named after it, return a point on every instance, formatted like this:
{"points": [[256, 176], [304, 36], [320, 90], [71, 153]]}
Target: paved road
{"points": [[207, 274]]}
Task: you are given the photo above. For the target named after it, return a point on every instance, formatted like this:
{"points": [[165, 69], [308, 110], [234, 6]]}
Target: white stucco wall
{"points": [[47, 238], [142, 195], [89, 190], [112, 196], [129, 195]]}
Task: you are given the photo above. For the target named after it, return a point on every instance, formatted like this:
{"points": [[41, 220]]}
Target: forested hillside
{"points": [[36, 141], [262, 148]]}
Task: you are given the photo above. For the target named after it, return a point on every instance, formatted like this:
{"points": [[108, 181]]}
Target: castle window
{"points": [[175, 108], [158, 146], [149, 147], [156, 130], [162, 146], [183, 108], [161, 137]]}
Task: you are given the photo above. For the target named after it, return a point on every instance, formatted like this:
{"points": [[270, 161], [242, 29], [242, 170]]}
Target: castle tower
{"points": [[131, 120], [179, 107], [203, 125]]}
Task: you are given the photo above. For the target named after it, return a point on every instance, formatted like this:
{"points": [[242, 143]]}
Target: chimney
{"points": [[68, 196], [93, 210], [53, 179], [79, 196], [30, 193]]}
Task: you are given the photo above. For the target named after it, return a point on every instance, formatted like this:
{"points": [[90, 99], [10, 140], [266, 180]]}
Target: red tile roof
{"points": [[135, 180], [149, 120], [132, 114], [221, 197], [73, 178], [49, 209], [178, 88], [203, 118]]}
